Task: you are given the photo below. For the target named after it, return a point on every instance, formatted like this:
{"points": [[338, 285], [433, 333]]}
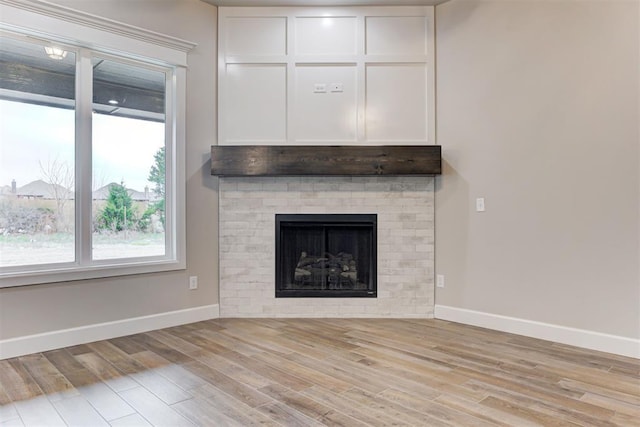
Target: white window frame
{"points": [[88, 34]]}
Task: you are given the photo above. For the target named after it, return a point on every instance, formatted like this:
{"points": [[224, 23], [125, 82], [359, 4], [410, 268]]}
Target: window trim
{"points": [[89, 33]]}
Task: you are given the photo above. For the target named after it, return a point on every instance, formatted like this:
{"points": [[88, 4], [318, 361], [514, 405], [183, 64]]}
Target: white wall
{"points": [[537, 111], [43, 308], [326, 76]]}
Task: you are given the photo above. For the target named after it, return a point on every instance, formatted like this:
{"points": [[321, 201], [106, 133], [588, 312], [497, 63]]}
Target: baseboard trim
{"points": [[615, 344], [20, 346]]}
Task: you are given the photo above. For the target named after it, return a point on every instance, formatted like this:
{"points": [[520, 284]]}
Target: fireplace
{"points": [[404, 286], [257, 182], [326, 255]]}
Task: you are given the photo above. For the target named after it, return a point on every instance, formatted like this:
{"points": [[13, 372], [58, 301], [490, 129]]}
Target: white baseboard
{"points": [[578, 337], [19, 346]]}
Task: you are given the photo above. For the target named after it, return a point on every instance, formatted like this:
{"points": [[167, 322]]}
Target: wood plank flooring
{"points": [[315, 372]]}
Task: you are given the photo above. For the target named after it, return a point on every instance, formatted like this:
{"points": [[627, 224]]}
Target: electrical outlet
{"points": [[440, 280], [480, 204], [320, 88], [193, 282]]}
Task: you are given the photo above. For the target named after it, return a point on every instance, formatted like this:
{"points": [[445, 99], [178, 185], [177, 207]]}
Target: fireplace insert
{"points": [[326, 255]]}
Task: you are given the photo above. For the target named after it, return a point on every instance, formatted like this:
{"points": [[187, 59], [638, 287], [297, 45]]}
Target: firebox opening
{"points": [[326, 255]]}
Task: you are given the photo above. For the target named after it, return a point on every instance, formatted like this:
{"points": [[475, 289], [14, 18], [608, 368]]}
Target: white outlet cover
{"points": [[440, 280], [480, 204], [320, 88]]}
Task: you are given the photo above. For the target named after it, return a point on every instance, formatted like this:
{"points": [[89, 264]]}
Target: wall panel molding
{"points": [[354, 75]]}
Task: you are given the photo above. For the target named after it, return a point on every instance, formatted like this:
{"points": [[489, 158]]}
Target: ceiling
{"points": [[324, 2], [119, 88]]}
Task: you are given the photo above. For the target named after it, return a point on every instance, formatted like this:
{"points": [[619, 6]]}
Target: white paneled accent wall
{"points": [[361, 75], [267, 107], [385, 100], [340, 125], [259, 36], [326, 35], [405, 210]]}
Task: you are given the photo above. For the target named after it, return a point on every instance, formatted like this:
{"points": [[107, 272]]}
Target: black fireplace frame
{"points": [[369, 220]]}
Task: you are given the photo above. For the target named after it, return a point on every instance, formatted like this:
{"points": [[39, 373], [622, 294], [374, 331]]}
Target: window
{"points": [[91, 145], [128, 160], [37, 167]]}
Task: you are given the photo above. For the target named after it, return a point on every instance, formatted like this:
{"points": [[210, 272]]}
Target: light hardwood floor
{"points": [[314, 372]]}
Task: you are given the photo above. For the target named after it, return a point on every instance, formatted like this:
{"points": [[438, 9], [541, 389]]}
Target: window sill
{"points": [[69, 273]]}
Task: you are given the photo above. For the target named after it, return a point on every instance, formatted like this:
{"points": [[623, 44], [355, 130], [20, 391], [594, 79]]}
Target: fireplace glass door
{"points": [[326, 255]]}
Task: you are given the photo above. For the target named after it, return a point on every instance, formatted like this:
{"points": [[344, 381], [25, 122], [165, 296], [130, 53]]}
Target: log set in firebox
{"points": [[327, 255]]}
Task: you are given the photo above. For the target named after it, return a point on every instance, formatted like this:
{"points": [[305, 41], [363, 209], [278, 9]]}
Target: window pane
{"points": [[128, 161], [37, 134]]}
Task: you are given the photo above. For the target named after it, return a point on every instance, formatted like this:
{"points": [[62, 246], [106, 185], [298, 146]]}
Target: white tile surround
{"points": [[405, 243]]}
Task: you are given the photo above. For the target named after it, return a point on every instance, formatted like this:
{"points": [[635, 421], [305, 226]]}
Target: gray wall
{"points": [[537, 111], [36, 309]]}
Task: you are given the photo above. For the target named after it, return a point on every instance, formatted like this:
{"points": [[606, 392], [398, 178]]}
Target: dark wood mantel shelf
{"points": [[300, 160]]}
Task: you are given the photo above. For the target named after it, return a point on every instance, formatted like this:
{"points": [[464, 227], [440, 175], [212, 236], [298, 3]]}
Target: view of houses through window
{"points": [[39, 165], [37, 203], [128, 160]]}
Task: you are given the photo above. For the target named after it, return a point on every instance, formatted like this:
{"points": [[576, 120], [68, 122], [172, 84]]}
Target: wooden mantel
{"points": [[300, 160]]}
